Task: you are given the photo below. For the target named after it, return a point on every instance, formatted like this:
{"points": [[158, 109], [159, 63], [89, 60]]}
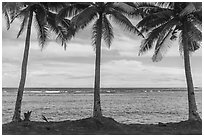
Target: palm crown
{"points": [[81, 18], [165, 22], [84, 13]]}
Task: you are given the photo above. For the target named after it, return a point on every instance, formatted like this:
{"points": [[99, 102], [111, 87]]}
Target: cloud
{"points": [[120, 66], [132, 73]]}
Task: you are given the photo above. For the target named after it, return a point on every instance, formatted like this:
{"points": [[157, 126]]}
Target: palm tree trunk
{"points": [[193, 114], [97, 105], [17, 112]]}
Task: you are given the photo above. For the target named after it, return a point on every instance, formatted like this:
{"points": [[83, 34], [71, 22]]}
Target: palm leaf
{"points": [[165, 32], [195, 20], [54, 6], [120, 7], [148, 42], [11, 8], [154, 20], [82, 19], [24, 13], [188, 9], [163, 47], [107, 31], [7, 19], [41, 21], [144, 8], [193, 32], [162, 35], [72, 9], [23, 24], [192, 45], [64, 33], [21, 12], [95, 33], [123, 21]]}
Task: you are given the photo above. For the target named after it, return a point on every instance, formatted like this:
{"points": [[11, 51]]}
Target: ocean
{"points": [[125, 105]]}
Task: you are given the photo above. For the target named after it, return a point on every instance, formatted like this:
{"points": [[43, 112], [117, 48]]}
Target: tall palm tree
{"points": [[165, 22], [26, 11], [102, 28]]}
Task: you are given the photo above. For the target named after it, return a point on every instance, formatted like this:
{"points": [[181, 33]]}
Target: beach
{"points": [[107, 126], [140, 107]]}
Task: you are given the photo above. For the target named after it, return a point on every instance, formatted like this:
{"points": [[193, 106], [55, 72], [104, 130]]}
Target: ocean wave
{"points": [[52, 91], [39, 91]]}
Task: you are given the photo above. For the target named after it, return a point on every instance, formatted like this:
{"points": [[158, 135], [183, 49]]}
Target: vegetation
{"points": [[166, 22], [26, 11], [101, 29], [162, 22]]}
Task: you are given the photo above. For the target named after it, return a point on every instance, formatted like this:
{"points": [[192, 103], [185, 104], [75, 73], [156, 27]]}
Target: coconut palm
{"points": [[26, 11], [102, 28], [165, 22]]}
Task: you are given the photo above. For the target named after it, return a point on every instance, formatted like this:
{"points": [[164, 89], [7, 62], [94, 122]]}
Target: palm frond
{"points": [[41, 21], [195, 20], [193, 32], [145, 8], [96, 32], [162, 49], [193, 45], [188, 9], [23, 24], [82, 19], [7, 19], [21, 13], [166, 5], [72, 9], [169, 27], [131, 4], [63, 31], [120, 7], [152, 37], [123, 21], [109, 4], [154, 20], [107, 31], [54, 6], [164, 39], [10, 10], [51, 22], [193, 36], [185, 41]]}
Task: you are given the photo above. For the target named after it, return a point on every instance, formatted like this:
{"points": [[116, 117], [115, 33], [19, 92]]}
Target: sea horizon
{"points": [[104, 87]]}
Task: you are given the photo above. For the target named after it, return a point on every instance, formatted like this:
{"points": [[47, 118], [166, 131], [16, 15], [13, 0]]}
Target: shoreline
{"points": [[106, 126]]}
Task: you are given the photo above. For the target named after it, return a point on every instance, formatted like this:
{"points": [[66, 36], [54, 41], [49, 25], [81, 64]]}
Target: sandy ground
{"points": [[106, 126]]}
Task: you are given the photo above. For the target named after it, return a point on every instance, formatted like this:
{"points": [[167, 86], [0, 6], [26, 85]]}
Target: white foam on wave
{"points": [[78, 91], [52, 91]]}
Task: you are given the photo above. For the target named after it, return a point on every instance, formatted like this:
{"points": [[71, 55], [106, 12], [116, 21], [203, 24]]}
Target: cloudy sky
{"points": [[120, 67]]}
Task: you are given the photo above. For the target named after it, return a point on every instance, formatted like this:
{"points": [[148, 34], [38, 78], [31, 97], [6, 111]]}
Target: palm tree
{"points": [[25, 11], [101, 28], [165, 22]]}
